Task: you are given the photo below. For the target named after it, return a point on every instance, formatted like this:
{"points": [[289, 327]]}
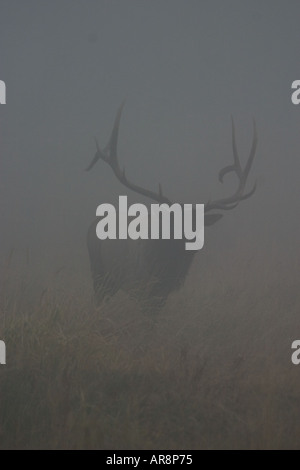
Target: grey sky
{"points": [[183, 67]]}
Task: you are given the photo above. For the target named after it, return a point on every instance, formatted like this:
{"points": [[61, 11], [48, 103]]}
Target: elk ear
{"points": [[210, 219]]}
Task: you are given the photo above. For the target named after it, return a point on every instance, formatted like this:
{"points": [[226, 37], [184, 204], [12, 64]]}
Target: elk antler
{"points": [[232, 201], [109, 155]]}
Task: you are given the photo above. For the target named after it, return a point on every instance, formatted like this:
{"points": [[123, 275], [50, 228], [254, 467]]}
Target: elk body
{"points": [[152, 269]]}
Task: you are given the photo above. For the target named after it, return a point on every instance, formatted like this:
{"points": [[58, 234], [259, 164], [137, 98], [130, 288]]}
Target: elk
{"points": [[152, 269]]}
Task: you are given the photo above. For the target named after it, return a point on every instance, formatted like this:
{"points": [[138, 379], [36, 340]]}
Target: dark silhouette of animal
{"points": [[152, 269]]}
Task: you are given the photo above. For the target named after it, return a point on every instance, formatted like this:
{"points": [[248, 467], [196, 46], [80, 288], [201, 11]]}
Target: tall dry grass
{"points": [[212, 371]]}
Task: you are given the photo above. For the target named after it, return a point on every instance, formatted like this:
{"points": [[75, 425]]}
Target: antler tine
{"points": [[237, 163], [236, 167], [249, 194], [113, 141], [232, 201], [109, 155], [252, 151], [98, 155]]}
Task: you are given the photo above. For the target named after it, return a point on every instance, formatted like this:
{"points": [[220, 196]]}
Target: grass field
{"points": [[213, 371]]}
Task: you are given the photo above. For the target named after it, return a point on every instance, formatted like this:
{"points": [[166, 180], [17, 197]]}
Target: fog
{"points": [[183, 68], [219, 353]]}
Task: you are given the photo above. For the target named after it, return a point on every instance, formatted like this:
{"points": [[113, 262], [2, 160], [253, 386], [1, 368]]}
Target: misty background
{"points": [[183, 68]]}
